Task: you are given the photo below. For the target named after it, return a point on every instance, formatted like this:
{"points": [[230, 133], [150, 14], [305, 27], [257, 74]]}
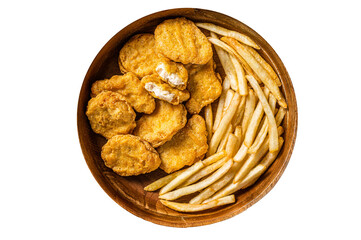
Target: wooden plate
{"points": [[128, 191]]}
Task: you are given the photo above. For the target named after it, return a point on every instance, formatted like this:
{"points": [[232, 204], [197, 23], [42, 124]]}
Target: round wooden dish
{"points": [[128, 191]]}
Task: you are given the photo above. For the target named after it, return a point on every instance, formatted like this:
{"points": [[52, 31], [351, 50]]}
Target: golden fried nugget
{"points": [[186, 147], [139, 56], [175, 74], [181, 40], [160, 126], [130, 87], [129, 155], [161, 90], [203, 85], [109, 114]]}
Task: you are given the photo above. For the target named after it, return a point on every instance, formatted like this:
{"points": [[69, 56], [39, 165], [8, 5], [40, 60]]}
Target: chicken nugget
{"points": [[139, 55], [175, 74], [203, 85], [109, 114], [186, 147], [160, 126], [161, 90], [130, 87], [181, 40], [129, 155]]}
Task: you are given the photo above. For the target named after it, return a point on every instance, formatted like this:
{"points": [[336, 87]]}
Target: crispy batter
{"points": [[203, 85], [175, 74], [186, 147], [129, 155], [160, 126], [161, 90], [130, 87], [180, 40], [109, 114], [139, 56]]}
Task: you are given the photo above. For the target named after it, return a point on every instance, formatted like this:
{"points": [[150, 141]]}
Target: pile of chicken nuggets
{"points": [[168, 77]]}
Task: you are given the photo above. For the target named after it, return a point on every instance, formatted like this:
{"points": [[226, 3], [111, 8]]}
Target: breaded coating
{"points": [[109, 114], [203, 85], [130, 87], [160, 126], [175, 74], [161, 90], [181, 40], [186, 147], [139, 56], [129, 155]]}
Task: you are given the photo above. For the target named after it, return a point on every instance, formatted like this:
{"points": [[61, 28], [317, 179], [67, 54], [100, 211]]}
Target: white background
{"points": [[47, 190]]}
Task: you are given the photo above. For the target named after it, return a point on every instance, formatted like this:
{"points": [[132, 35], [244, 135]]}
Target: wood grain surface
{"points": [[128, 191]]}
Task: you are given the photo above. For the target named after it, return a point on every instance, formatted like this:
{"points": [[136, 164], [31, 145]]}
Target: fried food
{"points": [[180, 40], [175, 74], [186, 147], [161, 90], [129, 155], [160, 126], [131, 89], [109, 114], [203, 86], [139, 55]]}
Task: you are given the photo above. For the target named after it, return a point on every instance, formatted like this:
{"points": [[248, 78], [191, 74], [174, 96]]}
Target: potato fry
{"points": [[254, 123], [239, 113], [204, 172], [182, 177], [231, 145], [273, 143], [208, 116], [253, 159], [214, 158], [228, 100], [238, 134], [229, 33], [242, 81], [186, 207], [223, 142], [219, 133], [241, 154], [264, 64], [220, 105], [209, 191], [270, 157], [258, 69], [199, 185], [162, 181], [249, 109]]}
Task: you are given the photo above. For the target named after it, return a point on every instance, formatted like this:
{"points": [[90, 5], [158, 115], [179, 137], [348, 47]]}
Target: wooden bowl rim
{"points": [[212, 217]]}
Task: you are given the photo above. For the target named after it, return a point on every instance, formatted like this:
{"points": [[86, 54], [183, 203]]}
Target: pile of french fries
{"points": [[244, 131]]}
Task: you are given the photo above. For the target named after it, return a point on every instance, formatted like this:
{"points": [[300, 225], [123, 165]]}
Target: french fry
{"points": [[270, 157], [264, 64], [208, 116], [223, 142], [210, 190], [241, 154], [220, 131], [204, 172], [186, 207], [249, 109], [258, 69], [232, 143], [200, 185], [254, 123], [239, 113], [273, 142], [181, 178], [253, 160], [220, 105], [242, 82], [226, 32], [238, 134], [162, 181], [228, 100]]}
